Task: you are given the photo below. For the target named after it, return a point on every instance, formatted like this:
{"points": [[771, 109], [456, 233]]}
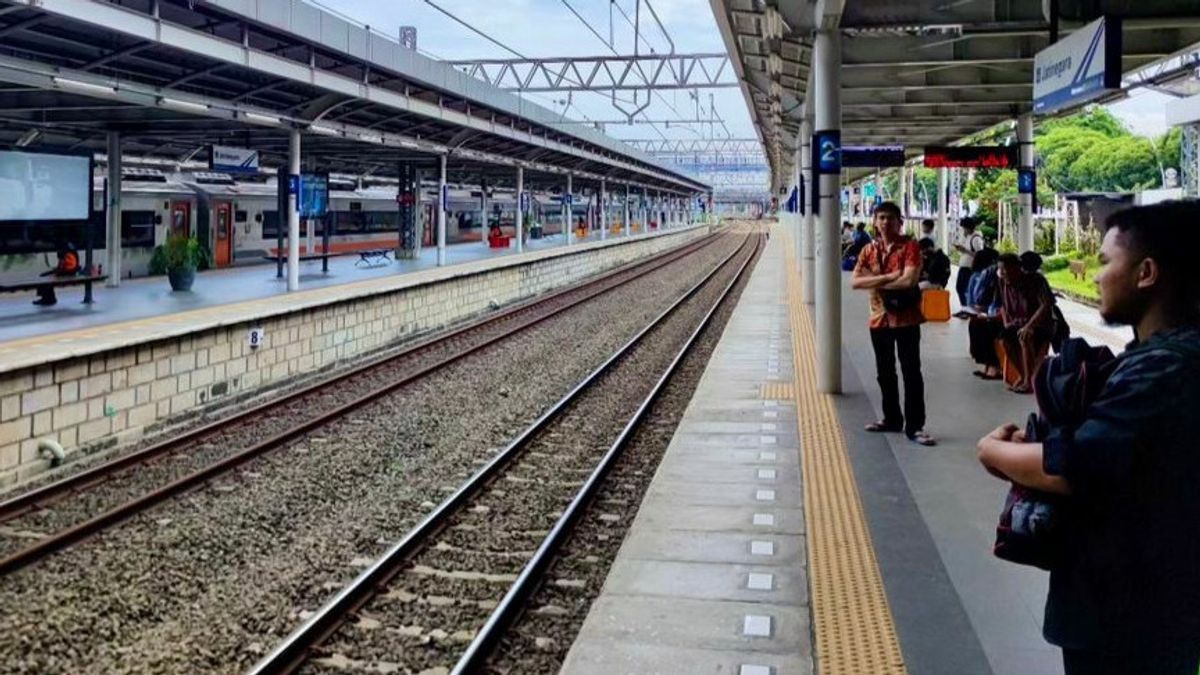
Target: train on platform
{"points": [[237, 220]]}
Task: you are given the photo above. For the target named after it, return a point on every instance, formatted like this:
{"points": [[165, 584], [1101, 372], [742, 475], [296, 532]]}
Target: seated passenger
{"points": [[67, 265], [1028, 314], [984, 312], [935, 266], [847, 235], [861, 239]]}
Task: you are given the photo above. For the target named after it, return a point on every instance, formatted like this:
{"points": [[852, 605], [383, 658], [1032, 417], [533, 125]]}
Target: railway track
{"points": [[98, 496], [439, 600]]}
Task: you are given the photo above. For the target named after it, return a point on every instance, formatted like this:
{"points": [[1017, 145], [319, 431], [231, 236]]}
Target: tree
{"points": [[1124, 164]]}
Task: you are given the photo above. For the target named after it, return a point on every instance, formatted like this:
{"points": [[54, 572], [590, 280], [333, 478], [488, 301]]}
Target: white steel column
{"points": [[293, 213], [943, 205], [568, 208], [1025, 201], [625, 222], [520, 208], [441, 214], [807, 234], [483, 214], [602, 207], [827, 57], [903, 196], [112, 245]]}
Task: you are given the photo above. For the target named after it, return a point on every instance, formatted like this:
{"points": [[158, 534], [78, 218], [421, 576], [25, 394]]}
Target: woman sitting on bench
{"points": [[67, 266], [1028, 316]]}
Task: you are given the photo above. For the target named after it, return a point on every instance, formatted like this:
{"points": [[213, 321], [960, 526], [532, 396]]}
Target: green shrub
{"points": [[179, 252], [1007, 246], [1055, 263], [988, 232]]}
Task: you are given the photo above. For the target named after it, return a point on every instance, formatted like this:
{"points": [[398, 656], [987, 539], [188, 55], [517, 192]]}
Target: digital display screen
{"points": [[872, 156], [314, 195], [971, 157], [42, 187]]}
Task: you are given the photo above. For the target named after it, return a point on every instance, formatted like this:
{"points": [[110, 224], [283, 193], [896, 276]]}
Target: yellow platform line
{"points": [[852, 622]]}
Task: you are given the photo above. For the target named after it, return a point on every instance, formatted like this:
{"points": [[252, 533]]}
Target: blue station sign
{"points": [[1078, 68]]}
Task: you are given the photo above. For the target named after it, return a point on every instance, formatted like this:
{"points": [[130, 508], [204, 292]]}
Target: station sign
{"points": [[827, 151], [232, 160], [872, 156], [1078, 68], [313, 198], [445, 205], [524, 202], [1026, 182], [972, 157]]}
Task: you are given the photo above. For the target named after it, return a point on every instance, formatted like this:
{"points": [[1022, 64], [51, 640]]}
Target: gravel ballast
{"points": [[209, 581]]}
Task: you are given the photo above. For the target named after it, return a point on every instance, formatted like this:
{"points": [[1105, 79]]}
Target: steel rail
{"points": [[512, 603], [293, 651], [68, 536], [27, 501]]}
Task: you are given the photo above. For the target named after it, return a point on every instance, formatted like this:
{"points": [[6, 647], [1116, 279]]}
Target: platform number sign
{"points": [[256, 337], [827, 148]]}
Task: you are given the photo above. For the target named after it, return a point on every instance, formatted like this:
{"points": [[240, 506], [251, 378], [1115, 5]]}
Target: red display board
{"points": [[972, 157]]}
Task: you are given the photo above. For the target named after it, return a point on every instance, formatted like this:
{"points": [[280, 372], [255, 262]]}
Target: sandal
{"points": [[1021, 389], [880, 427], [982, 374], [921, 438]]}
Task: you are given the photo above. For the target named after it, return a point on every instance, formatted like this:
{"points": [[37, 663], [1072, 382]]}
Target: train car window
{"points": [[382, 221], [270, 224], [137, 229], [240, 216]]}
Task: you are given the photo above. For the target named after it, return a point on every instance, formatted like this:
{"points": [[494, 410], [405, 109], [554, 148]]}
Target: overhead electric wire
{"points": [[475, 30]]}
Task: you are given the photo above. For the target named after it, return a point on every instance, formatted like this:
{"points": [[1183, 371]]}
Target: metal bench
{"points": [[84, 280], [374, 256], [323, 257]]}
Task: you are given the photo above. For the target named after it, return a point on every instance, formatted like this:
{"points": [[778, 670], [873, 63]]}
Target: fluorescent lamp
{"points": [[260, 118], [181, 105], [28, 137], [410, 144], [84, 87], [323, 130], [371, 138]]}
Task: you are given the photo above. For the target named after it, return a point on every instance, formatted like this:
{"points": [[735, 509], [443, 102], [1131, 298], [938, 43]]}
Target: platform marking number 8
{"points": [[255, 338]]}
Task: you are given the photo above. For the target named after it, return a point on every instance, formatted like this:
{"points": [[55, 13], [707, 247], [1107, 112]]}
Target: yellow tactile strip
{"points": [[852, 623], [778, 391]]}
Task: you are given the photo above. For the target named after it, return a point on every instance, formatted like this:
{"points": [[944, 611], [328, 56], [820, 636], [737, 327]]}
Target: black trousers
{"points": [[961, 284], [1184, 661], [905, 343], [983, 333]]}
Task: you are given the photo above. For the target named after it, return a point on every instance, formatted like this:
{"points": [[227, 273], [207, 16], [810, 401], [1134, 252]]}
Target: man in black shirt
{"points": [[1125, 598]]}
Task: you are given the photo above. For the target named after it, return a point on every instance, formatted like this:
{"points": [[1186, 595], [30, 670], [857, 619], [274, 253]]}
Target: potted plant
{"points": [[179, 258]]}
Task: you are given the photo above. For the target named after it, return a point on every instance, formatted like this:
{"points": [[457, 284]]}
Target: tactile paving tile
{"points": [[852, 622]]}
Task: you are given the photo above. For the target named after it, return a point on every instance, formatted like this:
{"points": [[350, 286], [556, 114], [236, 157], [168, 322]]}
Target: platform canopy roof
{"points": [[921, 72], [174, 76]]}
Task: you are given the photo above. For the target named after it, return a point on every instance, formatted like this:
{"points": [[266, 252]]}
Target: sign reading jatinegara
{"points": [[232, 160], [1078, 68]]}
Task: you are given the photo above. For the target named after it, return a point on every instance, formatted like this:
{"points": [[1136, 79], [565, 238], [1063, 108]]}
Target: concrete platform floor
{"points": [[688, 592], [146, 297]]}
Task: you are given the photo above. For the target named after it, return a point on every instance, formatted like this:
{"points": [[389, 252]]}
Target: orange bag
{"points": [[935, 304]]}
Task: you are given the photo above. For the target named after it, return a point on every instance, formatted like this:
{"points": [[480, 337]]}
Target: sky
{"points": [[548, 28]]}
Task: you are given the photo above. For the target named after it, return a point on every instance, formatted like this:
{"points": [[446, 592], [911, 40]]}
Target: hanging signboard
{"points": [[872, 156], [313, 198], [827, 151], [232, 160], [972, 157], [1078, 68]]}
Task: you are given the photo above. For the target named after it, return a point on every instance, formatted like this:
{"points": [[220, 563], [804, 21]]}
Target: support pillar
{"points": [[568, 213], [485, 224], [602, 207], [112, 244], [441, 214], [1025, 201], [625, 223], [827, 53], [807, 234], [520, 209], [293, 213], [903, 196], [943, 206]]}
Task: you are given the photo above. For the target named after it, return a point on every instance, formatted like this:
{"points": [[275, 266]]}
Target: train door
{"points": [[181, 219], [223, 220]]}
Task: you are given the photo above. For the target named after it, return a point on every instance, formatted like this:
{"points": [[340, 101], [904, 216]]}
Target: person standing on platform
{"points": [[927, 229], [970, 243], [890, 268], [1125, 591]]}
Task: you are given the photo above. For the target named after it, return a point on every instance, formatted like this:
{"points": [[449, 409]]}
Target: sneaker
{"points": [[921, 438]]}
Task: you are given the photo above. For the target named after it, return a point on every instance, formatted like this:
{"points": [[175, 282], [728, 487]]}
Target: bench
{"points": [[305, 257], [85, 280], [1078, 269], [374, 256]]}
